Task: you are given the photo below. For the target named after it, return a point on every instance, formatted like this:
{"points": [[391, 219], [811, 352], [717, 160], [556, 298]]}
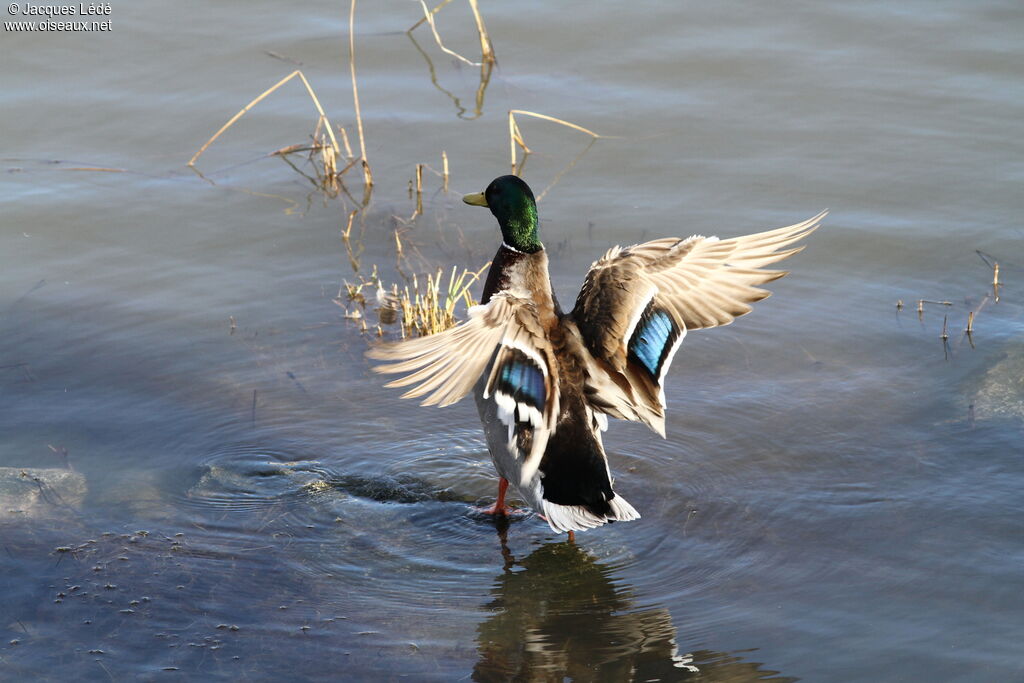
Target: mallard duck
{"points": [[546, 381]]}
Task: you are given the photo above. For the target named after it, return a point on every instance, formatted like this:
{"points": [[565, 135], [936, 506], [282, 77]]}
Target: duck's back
{"points": [[524, 276], [572, 485]]}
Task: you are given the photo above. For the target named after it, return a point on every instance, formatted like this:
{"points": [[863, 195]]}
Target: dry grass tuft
{"points": [[432, 309], [422, 307]]}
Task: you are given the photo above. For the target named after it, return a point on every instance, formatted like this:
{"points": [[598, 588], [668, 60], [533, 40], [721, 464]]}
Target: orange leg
{"points": [[572, 536], [499, 507]]}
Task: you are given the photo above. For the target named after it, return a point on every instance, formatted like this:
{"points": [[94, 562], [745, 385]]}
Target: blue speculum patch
{"points": [[521, 379], [652, 339]]}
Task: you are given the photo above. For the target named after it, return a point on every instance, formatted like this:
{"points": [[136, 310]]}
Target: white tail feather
{"points": [[579, 518], [624, 512], [570, 517]]}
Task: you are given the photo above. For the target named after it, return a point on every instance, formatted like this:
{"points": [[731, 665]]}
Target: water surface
{"points": [[838, 495]]}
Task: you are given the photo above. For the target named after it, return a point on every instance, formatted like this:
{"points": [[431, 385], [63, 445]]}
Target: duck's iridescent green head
{"points": [[512, 203]]}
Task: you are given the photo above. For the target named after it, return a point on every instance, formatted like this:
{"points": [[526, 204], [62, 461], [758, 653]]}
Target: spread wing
{"points": [[504, 334], [637, 304]]}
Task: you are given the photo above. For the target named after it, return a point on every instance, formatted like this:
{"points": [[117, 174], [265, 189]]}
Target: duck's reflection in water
{"points": [[560, 614]]}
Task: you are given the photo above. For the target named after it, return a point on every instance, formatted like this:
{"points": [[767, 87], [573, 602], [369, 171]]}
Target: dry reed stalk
{"points": [[347, 232], [347, 166], [399, 250], [101, 169], [260, 98], [328, 161], [485, 78], [945, 334], [344, 139], [367, 175], [353, 254], [419, 191], [516, 136], [429, 18], [291, 149], [970, 322], [444, 166], [328, 177], [486, 47], [432, 12], [922, 302], [318, 184], [330, 169]]}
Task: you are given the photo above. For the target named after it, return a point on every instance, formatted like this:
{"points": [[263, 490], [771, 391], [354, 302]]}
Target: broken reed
{"points": [[258, 99], [515, 135], [486, 47]]}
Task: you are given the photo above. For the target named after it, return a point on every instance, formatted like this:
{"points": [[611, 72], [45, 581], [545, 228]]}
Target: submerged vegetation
{"points": [[974, 304]]}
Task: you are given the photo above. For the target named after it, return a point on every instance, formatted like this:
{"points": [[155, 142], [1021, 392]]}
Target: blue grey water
{"points": [[226, 491]]}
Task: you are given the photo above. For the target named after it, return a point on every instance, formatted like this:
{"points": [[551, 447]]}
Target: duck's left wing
{"points": [[637, 304], [523, 378]]}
